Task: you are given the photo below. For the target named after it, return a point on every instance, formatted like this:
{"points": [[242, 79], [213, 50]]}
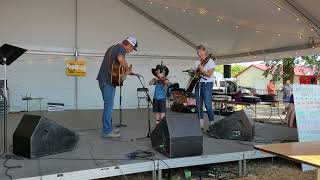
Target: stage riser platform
{"points": [[92, 146]]}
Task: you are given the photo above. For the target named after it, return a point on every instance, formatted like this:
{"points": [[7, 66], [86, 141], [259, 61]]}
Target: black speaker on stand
{"points": [[38, 136], [227, 71], [237, 126], [177, 137]]}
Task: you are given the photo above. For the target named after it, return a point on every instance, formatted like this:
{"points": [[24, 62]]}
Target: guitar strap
{"points": [[206, 60], [109, 58]]}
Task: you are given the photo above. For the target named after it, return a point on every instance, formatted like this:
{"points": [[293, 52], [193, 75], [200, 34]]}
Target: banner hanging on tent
{"points": [[76, 68]]}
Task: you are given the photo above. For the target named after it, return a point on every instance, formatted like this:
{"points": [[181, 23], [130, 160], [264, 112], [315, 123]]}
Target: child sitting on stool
{"points": [[161, 83]]}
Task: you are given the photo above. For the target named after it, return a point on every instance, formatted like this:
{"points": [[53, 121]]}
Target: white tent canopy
{"points": [[235, 31], [242, 30], [167, 30]]}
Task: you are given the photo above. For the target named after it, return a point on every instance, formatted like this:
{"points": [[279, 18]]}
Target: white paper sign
{"points": [[307, 108]]}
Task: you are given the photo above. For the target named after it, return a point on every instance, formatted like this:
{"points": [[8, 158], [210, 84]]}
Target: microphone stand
{"points": [[120, 111], [149, 101]]}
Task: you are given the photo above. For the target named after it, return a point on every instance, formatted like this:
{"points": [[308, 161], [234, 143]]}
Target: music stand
{"points": [[8, 54]]}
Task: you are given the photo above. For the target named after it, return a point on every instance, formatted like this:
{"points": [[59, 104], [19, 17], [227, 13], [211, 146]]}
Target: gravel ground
{"points": [[260, 169]]}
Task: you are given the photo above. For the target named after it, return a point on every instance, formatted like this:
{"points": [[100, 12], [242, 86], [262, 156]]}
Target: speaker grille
{"points": [[37, 136]]}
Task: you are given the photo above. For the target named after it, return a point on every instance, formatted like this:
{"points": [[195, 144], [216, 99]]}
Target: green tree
{"points": [[284, 68], [235, 69], [219, 69]]}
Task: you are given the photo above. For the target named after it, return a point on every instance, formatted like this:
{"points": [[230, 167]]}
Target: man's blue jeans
{"points": [[204, 95], [108, 92]]}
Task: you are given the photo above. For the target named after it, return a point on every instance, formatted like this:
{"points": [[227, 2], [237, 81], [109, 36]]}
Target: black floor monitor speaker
{"points": [[237, 126], [177, 137], [38, 136]]}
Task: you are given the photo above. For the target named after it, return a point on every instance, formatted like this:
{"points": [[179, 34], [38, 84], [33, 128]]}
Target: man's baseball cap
{"points": [[133, 41]]}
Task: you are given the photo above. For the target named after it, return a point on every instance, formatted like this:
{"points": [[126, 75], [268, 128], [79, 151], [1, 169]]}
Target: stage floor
{"points": [[96, 157]]}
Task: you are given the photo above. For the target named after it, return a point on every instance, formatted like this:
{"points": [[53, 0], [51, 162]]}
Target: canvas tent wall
{"points": [[167, 30], [47, 29]]}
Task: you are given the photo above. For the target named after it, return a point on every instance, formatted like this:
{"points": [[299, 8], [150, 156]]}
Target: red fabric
{"points": [[308, 80]]}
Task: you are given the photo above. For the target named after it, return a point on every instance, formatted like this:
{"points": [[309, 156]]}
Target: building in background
{"points": [[253, 76]]}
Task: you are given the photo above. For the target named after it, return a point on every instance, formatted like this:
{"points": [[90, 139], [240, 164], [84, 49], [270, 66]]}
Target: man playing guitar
{"points": [[203, 89], [115, 54]]}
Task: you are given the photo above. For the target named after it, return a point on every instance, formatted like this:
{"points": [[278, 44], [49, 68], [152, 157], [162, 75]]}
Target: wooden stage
{"points": [[96, 157]]}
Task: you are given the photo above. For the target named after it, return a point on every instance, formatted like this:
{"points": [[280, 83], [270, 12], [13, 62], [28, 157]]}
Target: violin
{"points": [[163, 80]]}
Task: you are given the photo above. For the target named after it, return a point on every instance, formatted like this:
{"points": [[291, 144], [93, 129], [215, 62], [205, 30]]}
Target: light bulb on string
{"points": [[203, 11], [312, 29]]}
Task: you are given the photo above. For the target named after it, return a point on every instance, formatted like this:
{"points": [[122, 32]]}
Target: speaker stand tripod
{"points": [[8, 54]]}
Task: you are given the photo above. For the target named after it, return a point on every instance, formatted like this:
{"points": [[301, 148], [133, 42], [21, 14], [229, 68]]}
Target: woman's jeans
{"points": [[204, 95]]}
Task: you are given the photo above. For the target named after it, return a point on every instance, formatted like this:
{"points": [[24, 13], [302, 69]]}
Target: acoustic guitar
{"points": [[118, 74], [196, 76]]}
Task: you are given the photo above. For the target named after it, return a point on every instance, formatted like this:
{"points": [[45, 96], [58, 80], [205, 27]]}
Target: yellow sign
{"points": [[76, 68]]}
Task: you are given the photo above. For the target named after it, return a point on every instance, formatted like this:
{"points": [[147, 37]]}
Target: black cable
{"points": [[80, 130], [122, 174], [139, 154]]}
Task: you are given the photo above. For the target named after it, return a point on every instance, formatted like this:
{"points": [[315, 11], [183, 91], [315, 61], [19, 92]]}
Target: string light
{"points": [[204, 11]]}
